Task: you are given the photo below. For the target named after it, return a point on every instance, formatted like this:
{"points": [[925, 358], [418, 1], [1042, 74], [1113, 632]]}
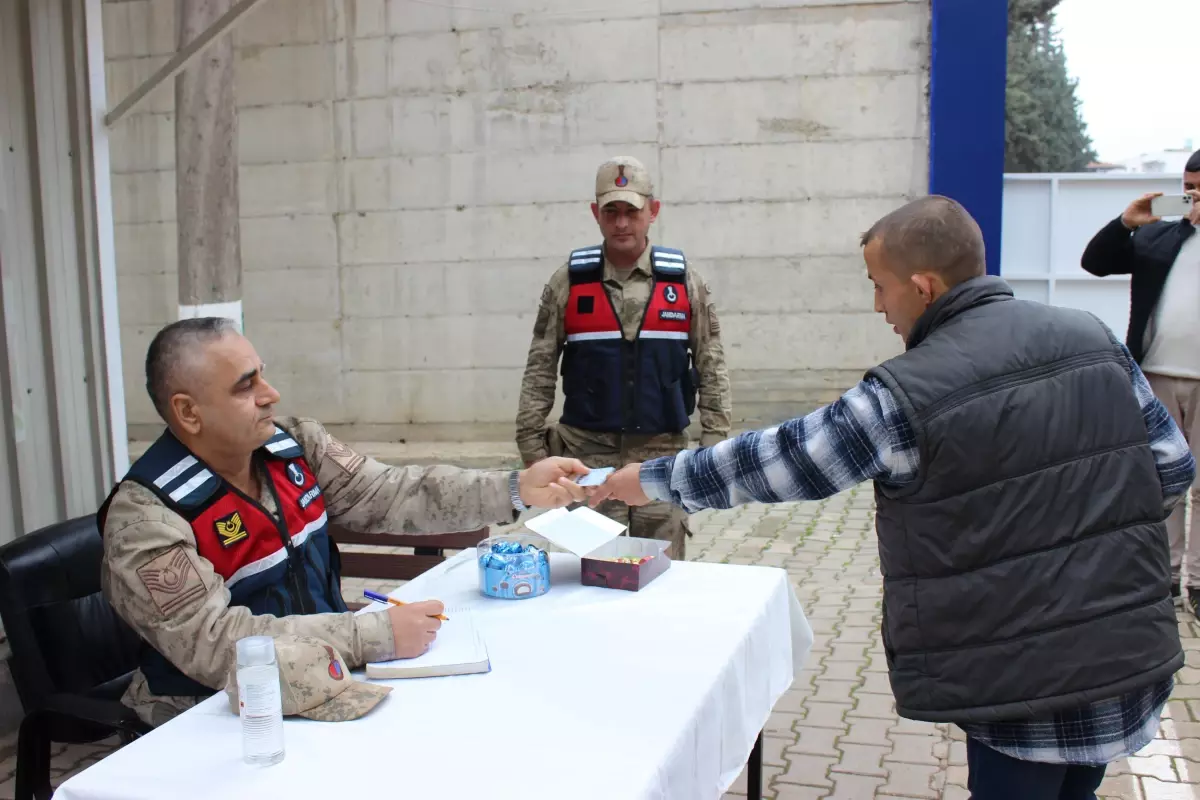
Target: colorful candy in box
{"points": [[511, 567], [627, 562]]}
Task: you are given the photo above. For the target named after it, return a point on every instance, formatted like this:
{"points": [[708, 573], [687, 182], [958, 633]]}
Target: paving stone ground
{"points": [[835, 734]]}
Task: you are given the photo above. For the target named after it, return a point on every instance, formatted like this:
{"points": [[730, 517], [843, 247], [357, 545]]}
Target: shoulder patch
{"points": [[282, 445], [172, 579], [542, 322], [173, 474], [585, 259], [347, 460], [666, 259]]}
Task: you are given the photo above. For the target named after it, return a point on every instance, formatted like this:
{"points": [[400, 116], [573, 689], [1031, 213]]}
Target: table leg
{"points": [[754, 771]]}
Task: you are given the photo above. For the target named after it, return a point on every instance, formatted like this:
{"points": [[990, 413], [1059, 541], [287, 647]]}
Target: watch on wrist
{"points": [[514, 490]]}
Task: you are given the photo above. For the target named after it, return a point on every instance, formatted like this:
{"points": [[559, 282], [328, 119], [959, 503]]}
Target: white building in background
{"points": [[1049, 218], [1170, 161]]}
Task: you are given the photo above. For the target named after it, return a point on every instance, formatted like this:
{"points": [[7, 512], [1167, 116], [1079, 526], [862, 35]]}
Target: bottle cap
{"points": [[255, 651]]}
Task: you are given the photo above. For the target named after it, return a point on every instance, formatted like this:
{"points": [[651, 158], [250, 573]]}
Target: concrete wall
{"points": [[411, 175]]}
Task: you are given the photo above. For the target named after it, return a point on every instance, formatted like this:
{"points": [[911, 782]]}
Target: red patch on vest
{"points": [[216, 531]]}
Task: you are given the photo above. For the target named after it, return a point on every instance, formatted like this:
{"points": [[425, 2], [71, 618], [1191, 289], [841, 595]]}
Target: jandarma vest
{"points": [[278, 567], [1026, 569], [644, 386]]}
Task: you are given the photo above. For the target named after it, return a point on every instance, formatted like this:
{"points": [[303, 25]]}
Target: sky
{"points": [[1138, 65]]}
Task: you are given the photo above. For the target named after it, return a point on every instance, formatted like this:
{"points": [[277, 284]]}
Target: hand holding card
{"points": [[625, 485], [595, 477]]}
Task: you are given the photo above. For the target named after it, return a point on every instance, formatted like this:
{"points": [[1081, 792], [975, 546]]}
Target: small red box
{"points": [[598, 568]]}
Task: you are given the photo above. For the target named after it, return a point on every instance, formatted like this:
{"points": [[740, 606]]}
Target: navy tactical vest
{"points": [[277, 566], [612, 384]]}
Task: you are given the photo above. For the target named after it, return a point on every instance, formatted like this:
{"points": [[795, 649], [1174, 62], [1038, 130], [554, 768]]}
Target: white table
{"points": [[593, 693]]}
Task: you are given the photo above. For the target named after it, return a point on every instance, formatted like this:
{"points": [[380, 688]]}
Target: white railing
{"points": [[1049, 219]]}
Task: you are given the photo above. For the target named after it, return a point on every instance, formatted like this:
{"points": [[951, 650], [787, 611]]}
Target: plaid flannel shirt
{"points": [[864, 436]]}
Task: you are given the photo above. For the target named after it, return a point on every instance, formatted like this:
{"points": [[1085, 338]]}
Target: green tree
{"points": [[1044, 131]]}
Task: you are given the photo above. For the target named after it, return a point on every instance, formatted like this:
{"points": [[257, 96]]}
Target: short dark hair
{"points": [[170, 346], [934, 234], [1193, 163]]}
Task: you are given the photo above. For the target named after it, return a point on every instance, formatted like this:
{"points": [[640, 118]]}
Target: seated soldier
{"points": [[219, 531]]}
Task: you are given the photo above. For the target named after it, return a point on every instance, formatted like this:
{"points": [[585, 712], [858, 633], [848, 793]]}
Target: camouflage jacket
{"points": [[198, 635], [630, 295]]}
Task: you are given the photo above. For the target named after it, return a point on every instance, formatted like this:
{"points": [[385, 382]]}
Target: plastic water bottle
{"points": [[260, 704]]}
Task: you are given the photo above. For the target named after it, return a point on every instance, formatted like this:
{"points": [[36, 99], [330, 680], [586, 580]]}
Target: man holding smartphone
{"points": [[1163, 258]]}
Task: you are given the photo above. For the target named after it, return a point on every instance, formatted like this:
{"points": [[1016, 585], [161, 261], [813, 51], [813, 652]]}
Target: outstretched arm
{"points": [[862, 436]]}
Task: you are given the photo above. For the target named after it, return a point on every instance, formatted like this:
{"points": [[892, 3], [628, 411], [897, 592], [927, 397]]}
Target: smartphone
{"points": [[595, 477], [1171, 205]]}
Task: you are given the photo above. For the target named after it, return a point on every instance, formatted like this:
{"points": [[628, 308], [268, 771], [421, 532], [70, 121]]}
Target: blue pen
{"points": [[382, 598]]}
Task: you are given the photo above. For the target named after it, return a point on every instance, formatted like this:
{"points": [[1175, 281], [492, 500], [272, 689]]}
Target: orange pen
{"points": [[382, 598]]}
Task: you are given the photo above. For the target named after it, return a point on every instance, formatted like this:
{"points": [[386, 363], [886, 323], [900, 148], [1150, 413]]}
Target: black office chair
{"points": [[72, 656]]}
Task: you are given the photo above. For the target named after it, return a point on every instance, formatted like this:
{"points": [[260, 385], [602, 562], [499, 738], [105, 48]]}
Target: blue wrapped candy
{"points": [[512, 569]]}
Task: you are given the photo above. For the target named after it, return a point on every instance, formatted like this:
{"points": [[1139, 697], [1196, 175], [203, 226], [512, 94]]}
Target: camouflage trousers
{"points": [[152, 709], [654, 521]]}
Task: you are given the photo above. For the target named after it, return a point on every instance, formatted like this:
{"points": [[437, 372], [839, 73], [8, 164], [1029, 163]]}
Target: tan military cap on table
{"points": [[315, 682]]}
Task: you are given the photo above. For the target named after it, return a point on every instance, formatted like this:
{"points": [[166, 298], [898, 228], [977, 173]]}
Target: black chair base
{"points": [[41, 728]]}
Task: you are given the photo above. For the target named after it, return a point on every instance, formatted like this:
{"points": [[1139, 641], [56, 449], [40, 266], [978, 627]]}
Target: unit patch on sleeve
{"points": [[543, 320], [172, 580], [230, 529], [343, 456]]}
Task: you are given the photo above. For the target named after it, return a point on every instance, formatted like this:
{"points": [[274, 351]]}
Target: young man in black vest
{"points": [[220, 529], [1023, 471], [1162, 258]]}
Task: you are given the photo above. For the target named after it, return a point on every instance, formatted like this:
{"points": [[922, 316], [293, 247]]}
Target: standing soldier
{"points": [[639, 338]]}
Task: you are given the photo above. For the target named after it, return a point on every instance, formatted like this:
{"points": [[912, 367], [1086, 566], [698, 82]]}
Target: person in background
{"points": [[638, 337], [1023, 471], [1163, 259]]}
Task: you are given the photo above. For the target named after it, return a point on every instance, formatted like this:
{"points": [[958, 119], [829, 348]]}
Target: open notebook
{"points": [[457, 650]]}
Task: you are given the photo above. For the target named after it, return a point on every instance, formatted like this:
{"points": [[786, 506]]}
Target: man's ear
{"points": [[596, 212], [655, 205], [929, 285], [187, 416]]}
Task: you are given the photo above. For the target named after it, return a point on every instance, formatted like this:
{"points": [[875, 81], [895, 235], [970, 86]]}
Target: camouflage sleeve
{"points": [[172, 597], [715, 403], [541, 372], [367, 496]]}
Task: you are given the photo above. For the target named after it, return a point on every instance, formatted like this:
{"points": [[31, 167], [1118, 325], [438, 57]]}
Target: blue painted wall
{"points": [[966, 110]]}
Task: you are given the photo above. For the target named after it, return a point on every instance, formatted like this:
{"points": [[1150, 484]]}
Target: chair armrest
{"points": [[108, 713]]}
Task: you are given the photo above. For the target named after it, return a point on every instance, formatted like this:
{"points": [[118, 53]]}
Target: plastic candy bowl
{"points": [[512, 567]]}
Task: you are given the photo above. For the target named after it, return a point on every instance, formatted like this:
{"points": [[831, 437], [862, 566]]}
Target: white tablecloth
{"points": [[593, 693]]}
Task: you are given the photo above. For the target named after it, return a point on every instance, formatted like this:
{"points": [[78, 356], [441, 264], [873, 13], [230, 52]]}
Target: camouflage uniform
{"points": [[199, 633], [630, 294]]}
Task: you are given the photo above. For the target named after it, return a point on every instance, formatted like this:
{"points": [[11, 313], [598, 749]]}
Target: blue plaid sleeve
{"points": [[1172, 456], [862, 436]]}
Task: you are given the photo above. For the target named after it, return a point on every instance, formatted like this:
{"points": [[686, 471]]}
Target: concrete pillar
{"points": [[206, 172]]}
